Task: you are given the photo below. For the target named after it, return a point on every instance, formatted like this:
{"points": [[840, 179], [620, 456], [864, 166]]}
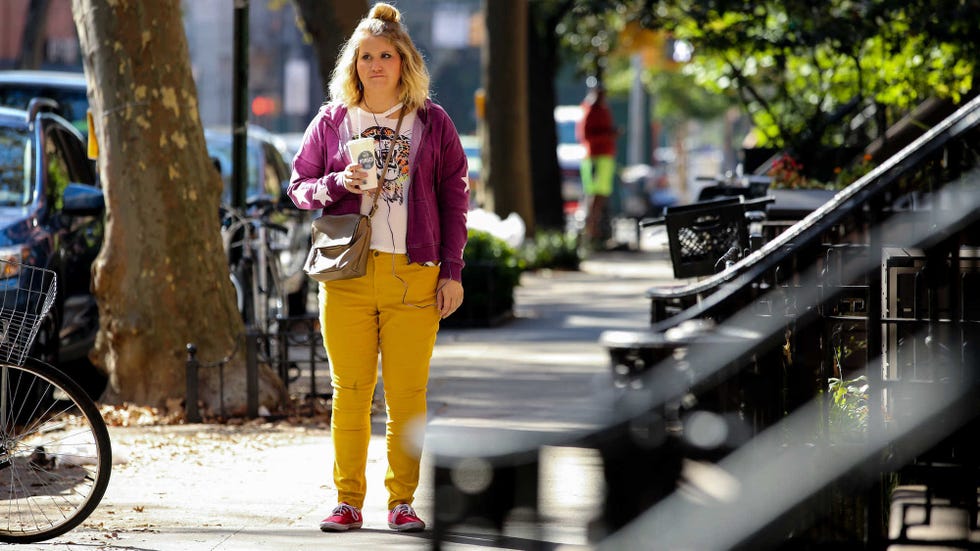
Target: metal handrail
{"points": [[717, 288]]}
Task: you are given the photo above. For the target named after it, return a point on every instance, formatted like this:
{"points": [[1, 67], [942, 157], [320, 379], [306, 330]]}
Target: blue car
{"points": [[18, 88], [52, 215]]}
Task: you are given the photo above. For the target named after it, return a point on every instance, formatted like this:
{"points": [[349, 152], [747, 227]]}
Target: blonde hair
{"points": [[383, 21]]}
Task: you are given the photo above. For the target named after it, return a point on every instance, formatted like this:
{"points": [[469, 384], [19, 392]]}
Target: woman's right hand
{"points": [[353, 176]]}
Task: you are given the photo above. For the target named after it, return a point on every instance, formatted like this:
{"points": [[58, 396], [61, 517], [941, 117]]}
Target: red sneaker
{"points": [[403, 519], [343, 517]]}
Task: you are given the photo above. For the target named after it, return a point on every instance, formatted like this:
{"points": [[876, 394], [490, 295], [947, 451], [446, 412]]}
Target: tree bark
{"points": [[161, 278], [329, 23], [508, 173], [543, 64]]}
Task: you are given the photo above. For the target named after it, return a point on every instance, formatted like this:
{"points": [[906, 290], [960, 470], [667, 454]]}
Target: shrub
{"points": [[493, 269], [552, 249], [483, 248]]}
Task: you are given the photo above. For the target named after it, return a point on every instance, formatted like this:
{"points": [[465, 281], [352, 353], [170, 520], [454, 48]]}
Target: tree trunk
{"points": [[508, 173], [542, 57], [161, 278], [32, 41], [329, 23]]}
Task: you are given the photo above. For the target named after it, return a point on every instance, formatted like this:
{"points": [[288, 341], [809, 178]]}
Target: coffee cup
{"points": [[362, 152]]}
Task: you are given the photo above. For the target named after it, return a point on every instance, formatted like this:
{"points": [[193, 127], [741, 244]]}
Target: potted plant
{"points": [[493, 269]]}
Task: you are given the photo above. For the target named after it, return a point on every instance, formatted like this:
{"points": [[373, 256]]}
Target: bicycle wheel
{"points": [[241, 278], [274, 299], [55, 455]]}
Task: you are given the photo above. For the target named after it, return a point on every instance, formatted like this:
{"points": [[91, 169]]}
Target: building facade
{"points": [[284, 83], [58, 40]]}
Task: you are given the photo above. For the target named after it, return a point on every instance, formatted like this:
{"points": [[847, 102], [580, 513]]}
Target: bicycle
{"points": [[252, 245], [55, 452]]}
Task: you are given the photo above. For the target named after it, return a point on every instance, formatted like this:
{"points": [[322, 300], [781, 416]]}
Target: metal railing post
{"points": [[192, 414], [251, 372]]}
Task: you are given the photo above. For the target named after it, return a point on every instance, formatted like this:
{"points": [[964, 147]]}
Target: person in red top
{"points": [[597, 132]]}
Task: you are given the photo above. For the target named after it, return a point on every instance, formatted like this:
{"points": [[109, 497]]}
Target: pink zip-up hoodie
{"points": [[438, 191]]}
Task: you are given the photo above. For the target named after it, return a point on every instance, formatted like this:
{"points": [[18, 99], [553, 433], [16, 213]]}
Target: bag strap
{"points": [[384, 167]]}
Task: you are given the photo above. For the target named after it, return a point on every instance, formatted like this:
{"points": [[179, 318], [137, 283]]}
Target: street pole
{"points": [[637, 116], [239, 102]]}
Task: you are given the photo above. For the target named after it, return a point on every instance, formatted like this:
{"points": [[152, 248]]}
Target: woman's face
{"points": [[379, 67]]}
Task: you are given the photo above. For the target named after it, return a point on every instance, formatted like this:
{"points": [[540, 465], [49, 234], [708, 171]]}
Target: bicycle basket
{"points": [[699, 234], [26, 295]]}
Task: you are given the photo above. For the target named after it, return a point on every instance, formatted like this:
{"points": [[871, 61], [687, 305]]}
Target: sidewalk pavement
{"points": [[267, 485]]}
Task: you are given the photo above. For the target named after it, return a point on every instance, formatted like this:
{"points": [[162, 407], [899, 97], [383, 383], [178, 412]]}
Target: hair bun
{"points": [[385, 12]]}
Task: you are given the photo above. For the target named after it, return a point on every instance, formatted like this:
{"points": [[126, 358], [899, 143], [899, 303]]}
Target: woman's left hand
{"points": [[449, 296]]}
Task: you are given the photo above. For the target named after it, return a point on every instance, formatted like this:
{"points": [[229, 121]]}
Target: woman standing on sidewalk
{"points": [[380, 89]]}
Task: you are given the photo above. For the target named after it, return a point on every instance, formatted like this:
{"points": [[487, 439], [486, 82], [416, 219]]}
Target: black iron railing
{"points": [[830, 299], [732, 397]]}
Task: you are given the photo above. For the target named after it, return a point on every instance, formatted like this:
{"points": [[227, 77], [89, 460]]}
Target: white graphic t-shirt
{"points": [[390, 223]]}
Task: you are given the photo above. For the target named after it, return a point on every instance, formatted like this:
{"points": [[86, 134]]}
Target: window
{"points": [[72, 104], [16, 167], [58, 167]]}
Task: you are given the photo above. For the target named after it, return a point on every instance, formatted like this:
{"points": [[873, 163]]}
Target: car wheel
{"points": [[47, 348]]}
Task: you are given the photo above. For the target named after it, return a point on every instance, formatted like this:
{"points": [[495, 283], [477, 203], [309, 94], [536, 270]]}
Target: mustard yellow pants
{"points": [[390, 310]]}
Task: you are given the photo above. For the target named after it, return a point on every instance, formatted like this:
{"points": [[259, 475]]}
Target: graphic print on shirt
{"points": [[395, 176]]}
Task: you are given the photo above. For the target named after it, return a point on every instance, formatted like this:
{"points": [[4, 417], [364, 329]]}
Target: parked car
{"points": [[292, 142], [267, 174], [52, 216], [17, 88], [268, 161]]}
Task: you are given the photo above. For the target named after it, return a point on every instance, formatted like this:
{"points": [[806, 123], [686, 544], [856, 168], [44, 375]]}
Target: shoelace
{"points": [[343, 508], [403, 509]]}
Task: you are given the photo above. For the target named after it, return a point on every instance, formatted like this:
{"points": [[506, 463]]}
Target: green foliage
{"points": [[787, 173], [551, 250], [847, 175], [493, 269], [588, 33], [848, 415], [482, 248], [808, 73], [796, 64], [680, 96]]}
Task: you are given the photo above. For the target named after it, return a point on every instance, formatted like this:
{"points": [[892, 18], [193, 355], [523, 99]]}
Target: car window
{"points": [[75, 155], [72, 105], [220, 149], [16, 167], [58, 168], [276, 171]]}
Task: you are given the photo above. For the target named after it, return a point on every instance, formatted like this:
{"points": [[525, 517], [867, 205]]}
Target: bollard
{"points": [[191, 412], [310, 338], [283, 324], [251, 372]]}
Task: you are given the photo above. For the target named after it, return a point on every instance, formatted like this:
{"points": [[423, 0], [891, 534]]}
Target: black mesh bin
{"points": [[701, 233]]}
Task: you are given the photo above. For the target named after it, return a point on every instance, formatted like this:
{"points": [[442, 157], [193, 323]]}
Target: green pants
{"points": [[597, 175]]}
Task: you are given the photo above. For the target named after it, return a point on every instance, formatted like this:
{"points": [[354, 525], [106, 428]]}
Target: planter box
{"points": [[488, 299]]}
